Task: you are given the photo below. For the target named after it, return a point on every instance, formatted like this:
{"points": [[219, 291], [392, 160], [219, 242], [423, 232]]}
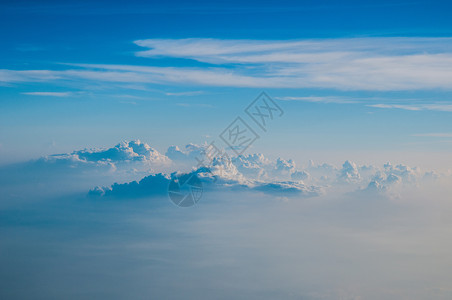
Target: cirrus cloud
{"points": [[373, 64]]}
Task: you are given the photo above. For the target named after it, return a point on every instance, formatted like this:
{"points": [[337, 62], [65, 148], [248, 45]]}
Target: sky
{"points": [[339, 189], [78, 74]]}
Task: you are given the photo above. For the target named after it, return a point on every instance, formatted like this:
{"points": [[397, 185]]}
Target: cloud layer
{"points": [[139, 170]]}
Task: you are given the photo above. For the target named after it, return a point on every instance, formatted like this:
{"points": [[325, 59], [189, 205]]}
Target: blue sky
{"points": [[364, 80]]}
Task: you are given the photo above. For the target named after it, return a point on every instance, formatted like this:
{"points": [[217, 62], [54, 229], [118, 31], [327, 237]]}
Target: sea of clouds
{"points": [[98, 223]]}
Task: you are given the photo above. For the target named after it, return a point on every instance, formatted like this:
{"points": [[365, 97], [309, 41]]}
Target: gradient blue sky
{"points": [[369, 81]]}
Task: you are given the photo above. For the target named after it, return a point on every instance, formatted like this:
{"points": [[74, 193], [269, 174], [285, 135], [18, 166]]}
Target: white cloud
{"points": [[257, 173], [222, 175], [391, 103], [382, 64], [191, 93], [315, 99], [51, 94], [288, 51], [151, 185], [360, 63], [124, 151], [189, 153], [254, 166], [289, 188], [349, 172], [61, 173], [300, 175], [416, 107]]}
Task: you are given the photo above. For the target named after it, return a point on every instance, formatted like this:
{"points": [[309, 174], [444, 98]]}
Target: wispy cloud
{"points": [[374, 64], [399, 106], [415, 104], [354, 64], [190, 93], [183, 104], [316, 99], [51, 94], [416, 107], [289, 51]]}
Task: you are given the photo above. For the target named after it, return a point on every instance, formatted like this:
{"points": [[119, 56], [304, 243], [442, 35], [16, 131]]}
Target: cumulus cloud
{"points": [[252, 165], [77, 170], [151, 185], [255, 172], [382, 181], [222, 176], [300, 175], [124, 151], [385, 179], [285, 166], [189, 153], [289, 188], [349, 172], [133, 156]]}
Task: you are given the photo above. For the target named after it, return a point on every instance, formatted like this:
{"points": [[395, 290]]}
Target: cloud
{"points": [[286, 51], [284, 167], [221, 173], [189, 153], [349, 172], [194, 105], [136, 165], [150, 75], [375, 64], [360, 63], [314, 99], [381, 182], [286, 188], [252, 165], [391, 176], [124, 151], [215, 178], [415, 104], [416, 107], [62, 173], [300, 175], [151, 185], [125, 156], [51, 94], [191, 93], [280, 177]]}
